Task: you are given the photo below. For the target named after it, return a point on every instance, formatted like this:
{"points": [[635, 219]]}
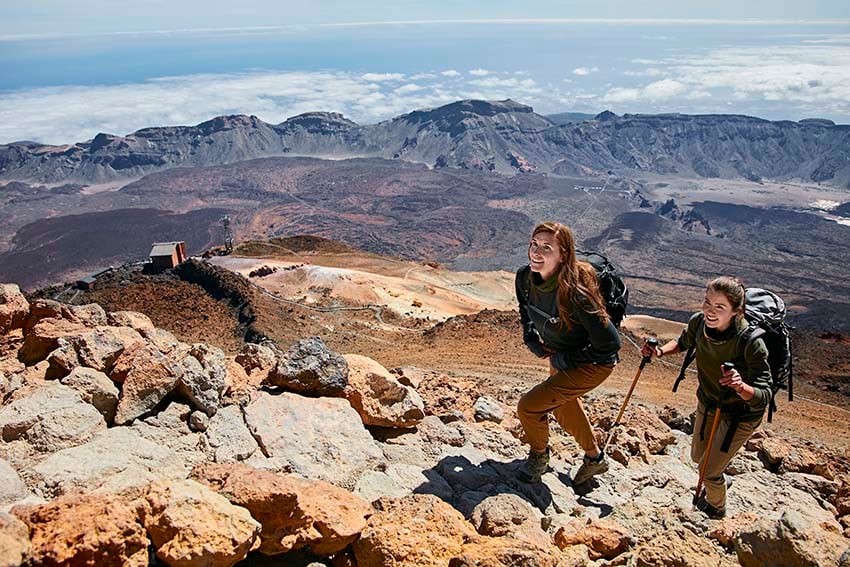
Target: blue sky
{"points": [[70, 70]]}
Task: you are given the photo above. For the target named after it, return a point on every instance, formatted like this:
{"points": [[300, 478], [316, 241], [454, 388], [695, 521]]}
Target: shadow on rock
{"points": [[471, 483]]}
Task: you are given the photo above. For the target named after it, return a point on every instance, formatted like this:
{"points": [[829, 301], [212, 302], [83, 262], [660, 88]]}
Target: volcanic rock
{"points": [[294, 513], [378, 397]]}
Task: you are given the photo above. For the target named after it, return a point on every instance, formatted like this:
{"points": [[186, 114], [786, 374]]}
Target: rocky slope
{"points": [[293, 453], [502, 136]]}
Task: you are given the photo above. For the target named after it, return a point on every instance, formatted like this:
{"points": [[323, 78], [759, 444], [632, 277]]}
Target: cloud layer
{"points": [[809, 78]]}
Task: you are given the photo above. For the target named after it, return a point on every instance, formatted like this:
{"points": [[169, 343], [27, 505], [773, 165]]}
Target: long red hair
{"points": [[576, 279]]}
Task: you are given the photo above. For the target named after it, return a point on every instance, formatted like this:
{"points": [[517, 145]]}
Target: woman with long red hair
{"points": [[564, 319]]}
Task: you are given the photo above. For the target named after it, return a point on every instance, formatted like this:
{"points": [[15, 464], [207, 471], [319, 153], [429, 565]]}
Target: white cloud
{"points": [[450, 73], [479, 72], [809, 77], [380, 77], [60, 115], [583, 71], [409, 88], [420, 76]]}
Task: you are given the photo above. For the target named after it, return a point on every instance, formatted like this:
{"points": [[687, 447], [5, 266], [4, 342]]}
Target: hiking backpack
{"points": [[765, 313], [614, 291]]}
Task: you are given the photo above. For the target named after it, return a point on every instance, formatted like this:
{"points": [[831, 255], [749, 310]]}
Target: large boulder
{"points": [[101, 347], [137, 321], [229, 437], [14, 541], [49, 320], [115, 459], [509, 552], [14, 308], [204, 377], [94, 387], [603, 538], [311, 369], [379, 397], [321, 438], [51, 418], [149, 377], [793, 540], [191, 525], [418, 530], [85, 529], [43, 338], [510, 515], [295, 513], [679, 547]]}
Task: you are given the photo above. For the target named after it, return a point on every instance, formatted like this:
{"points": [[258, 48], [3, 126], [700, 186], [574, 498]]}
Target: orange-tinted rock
{"points": [[191, 525], [295, 513], [95, 530], [727, 529], [603, 538], [379, 397], [44, 337], [150, 378], [14, 308], [417, 530], [506, 552], [137, 321]]}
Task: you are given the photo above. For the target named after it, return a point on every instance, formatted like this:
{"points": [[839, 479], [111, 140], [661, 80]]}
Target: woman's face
{"points": [[717, 311], [544, 255]]}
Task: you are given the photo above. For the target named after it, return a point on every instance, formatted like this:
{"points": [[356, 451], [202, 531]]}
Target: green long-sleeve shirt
{"points": [[710, 356], [589, 341]]}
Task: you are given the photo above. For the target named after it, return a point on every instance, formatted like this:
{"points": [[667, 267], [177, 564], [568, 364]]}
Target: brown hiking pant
{"points": [[560, 395], [715, 482]]}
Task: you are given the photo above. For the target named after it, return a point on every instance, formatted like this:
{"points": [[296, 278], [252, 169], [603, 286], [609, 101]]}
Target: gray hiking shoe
{"points": [[534, 466], [590, 468]]}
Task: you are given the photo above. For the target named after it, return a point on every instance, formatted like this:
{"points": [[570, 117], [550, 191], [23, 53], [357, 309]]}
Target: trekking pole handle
{"points": [[653, 342]]}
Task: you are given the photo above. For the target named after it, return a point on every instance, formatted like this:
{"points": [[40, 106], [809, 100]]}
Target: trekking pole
{"points": [[644, 361], [707, 453]]}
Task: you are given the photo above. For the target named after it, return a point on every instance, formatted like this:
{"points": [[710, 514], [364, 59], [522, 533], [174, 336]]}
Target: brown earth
{"points": [[484, 348]]}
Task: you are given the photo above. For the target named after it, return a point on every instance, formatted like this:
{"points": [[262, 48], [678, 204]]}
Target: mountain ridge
{"points": [[501, 136]]}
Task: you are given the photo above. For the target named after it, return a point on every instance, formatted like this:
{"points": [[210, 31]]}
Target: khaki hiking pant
{"points": [[560, 395], [715, 482]]}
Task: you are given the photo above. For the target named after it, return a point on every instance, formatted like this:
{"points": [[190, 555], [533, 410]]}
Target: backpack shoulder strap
{"points": [[523, 277], [691, 354]]}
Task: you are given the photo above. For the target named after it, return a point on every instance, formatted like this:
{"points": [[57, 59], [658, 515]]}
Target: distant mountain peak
{"points": [[605, 116], [228, 122], [319, 121]]}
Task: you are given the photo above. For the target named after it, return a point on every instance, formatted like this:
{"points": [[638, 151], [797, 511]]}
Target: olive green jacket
{"points": [[710, 356]]}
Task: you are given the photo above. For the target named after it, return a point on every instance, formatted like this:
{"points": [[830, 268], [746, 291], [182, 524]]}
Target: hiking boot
{"points": [[589, 468], [534, 466], [712, 512]]}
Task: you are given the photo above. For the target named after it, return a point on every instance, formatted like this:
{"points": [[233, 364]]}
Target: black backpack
{"points": [[614, 291], [765, 313]]}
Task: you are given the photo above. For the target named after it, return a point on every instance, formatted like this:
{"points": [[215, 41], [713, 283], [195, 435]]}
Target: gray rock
{"points": [[94, 387], [199, 421], [53, 417], [792, 540], [229, 437], [101, 347], [204, 377], [164, 341], [488, 409], [310, 368], [12, 488], [113, 460], [321, 438]]}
